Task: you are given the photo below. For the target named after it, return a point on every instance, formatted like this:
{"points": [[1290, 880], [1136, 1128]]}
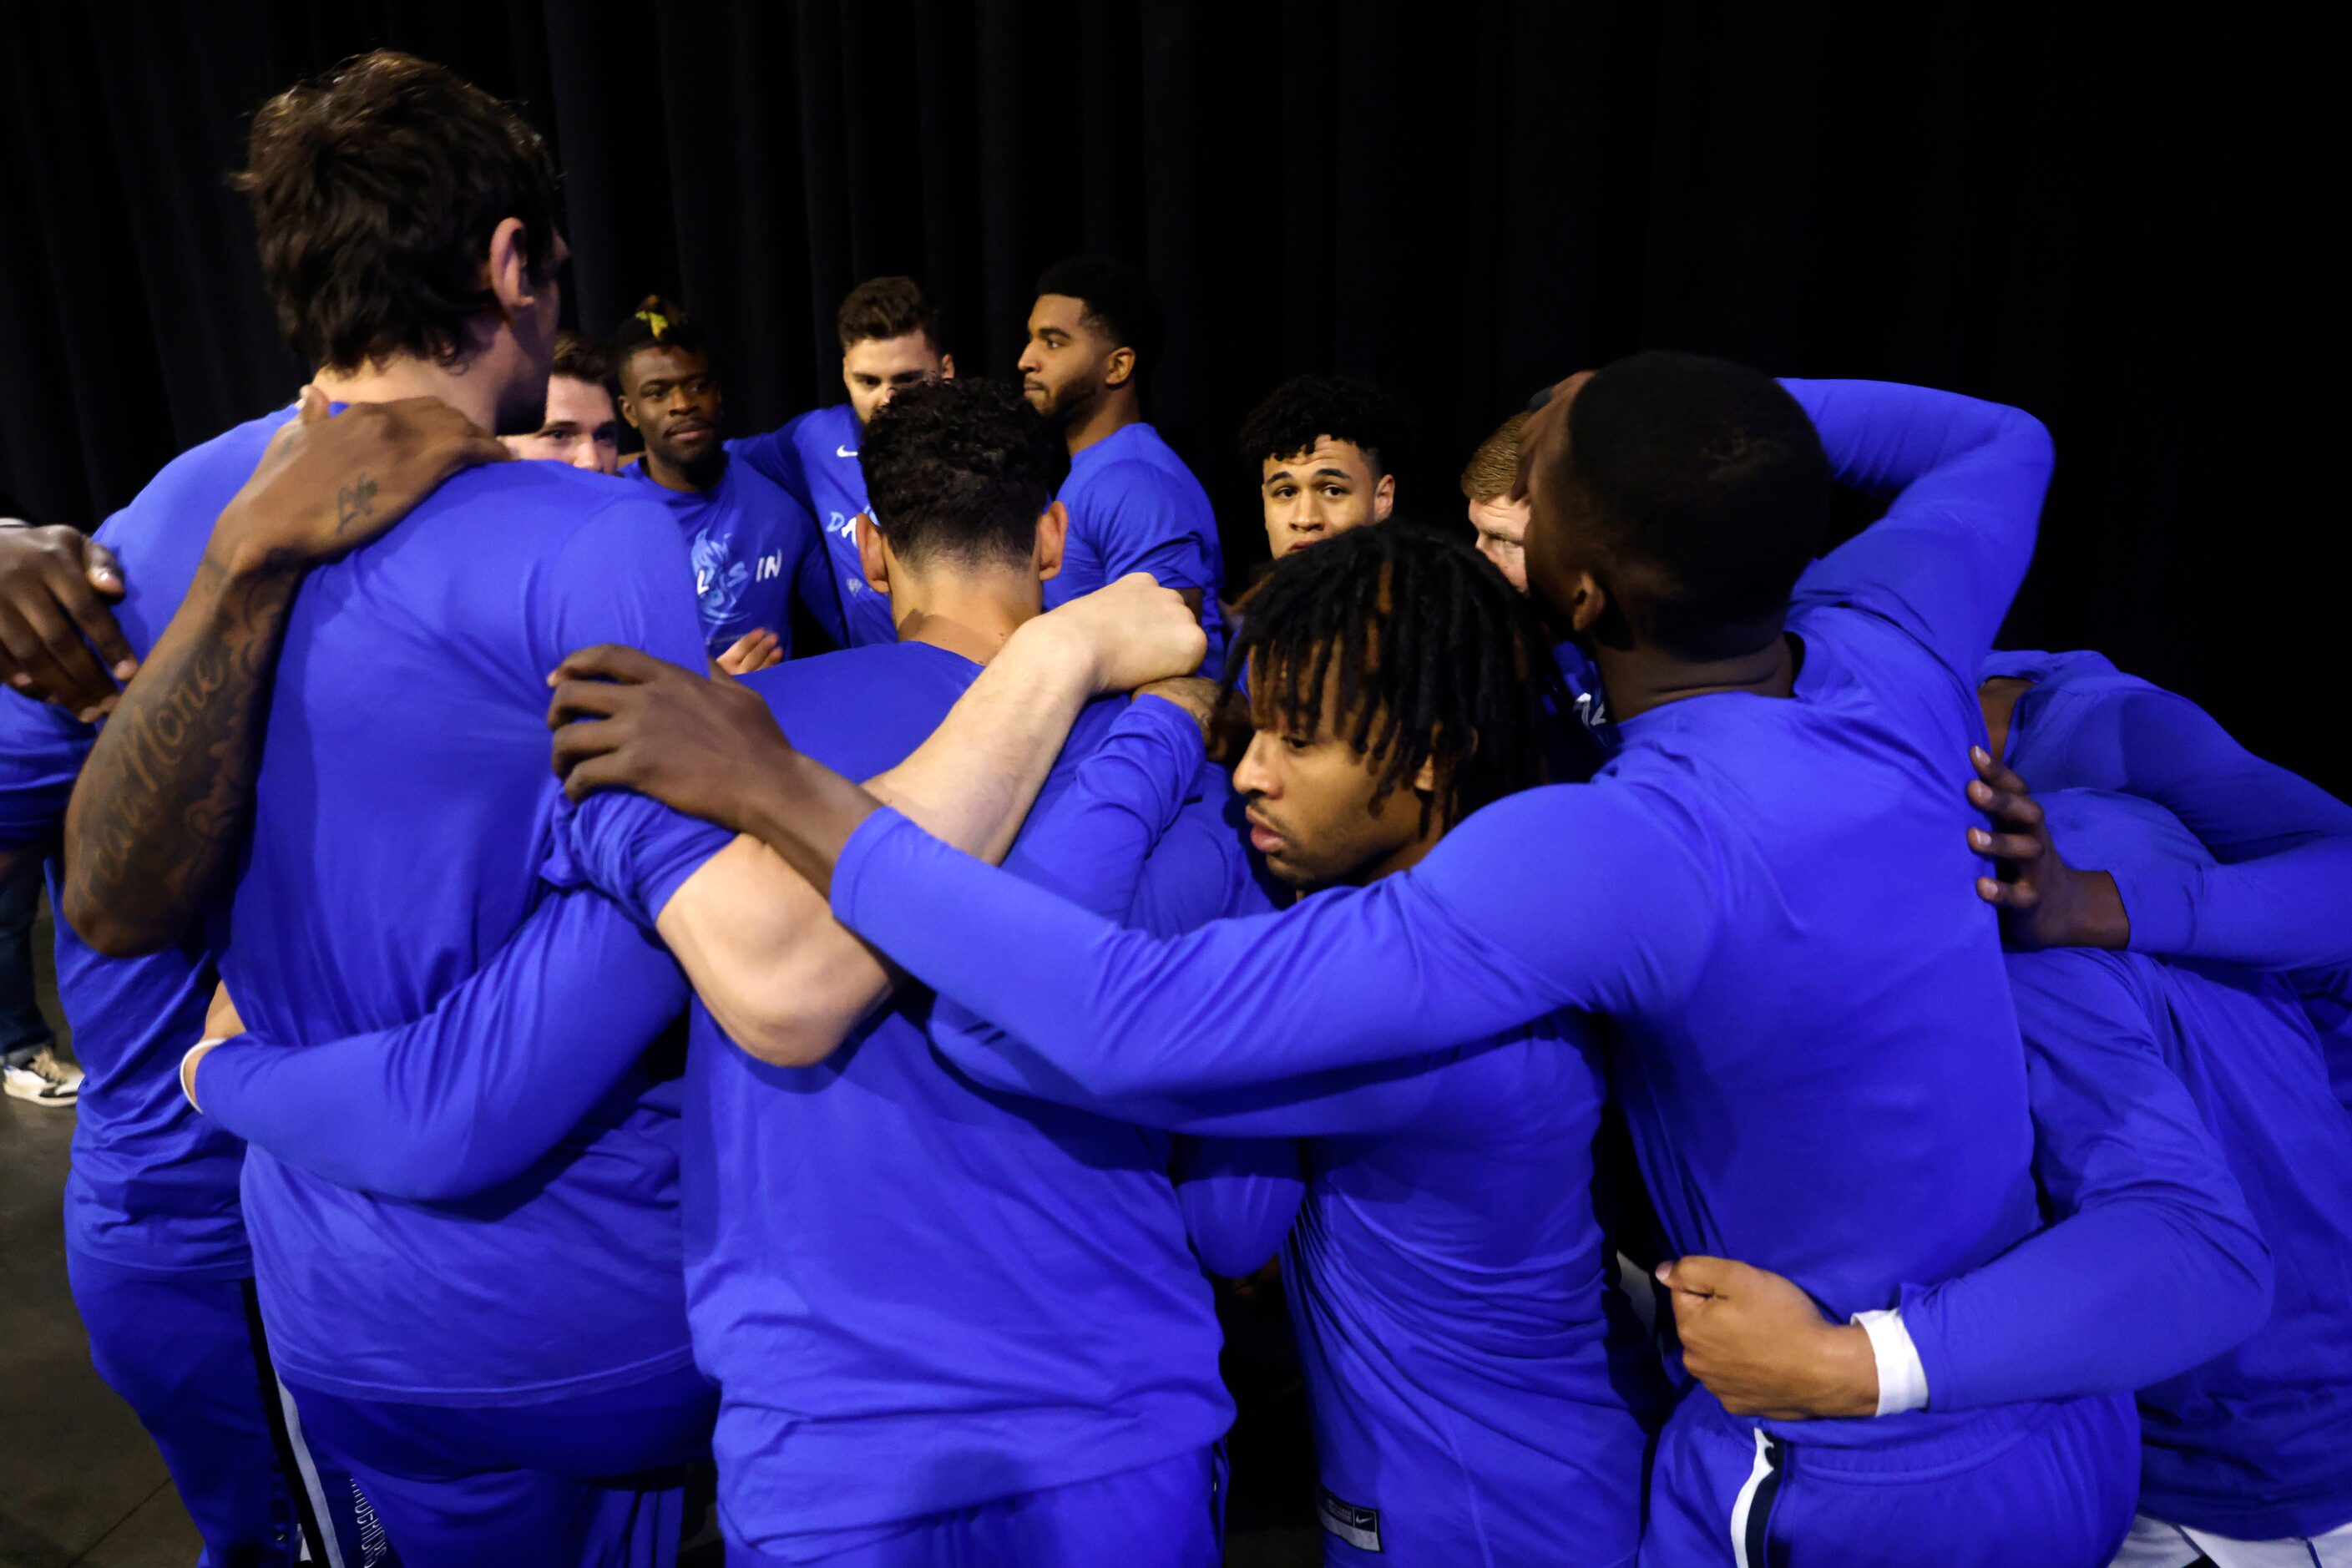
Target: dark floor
{"points": [[80, 1483]]}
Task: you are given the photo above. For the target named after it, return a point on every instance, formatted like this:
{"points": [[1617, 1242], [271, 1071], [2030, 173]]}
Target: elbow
{"points": [[104, 932], [788, 1042], [2245, 1282]]}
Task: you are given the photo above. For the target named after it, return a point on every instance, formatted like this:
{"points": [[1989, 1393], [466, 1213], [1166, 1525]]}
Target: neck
{"points": [[678, 476], [405, 376], [1640, 679], [1108, 415], [963, 611]]}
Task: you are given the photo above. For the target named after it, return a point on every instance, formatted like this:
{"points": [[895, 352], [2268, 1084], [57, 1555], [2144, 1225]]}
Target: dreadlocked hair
{"points": [[1437, 658]]}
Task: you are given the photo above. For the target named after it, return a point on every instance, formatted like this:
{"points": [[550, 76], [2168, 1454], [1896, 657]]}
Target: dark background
{"points": [[2110, 215]]}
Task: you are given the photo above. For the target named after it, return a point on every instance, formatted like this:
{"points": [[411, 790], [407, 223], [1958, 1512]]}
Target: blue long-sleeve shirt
{"points": [[1772, 901], [1477, 1388], [2273, 888], [151, 1186], [396, 845], [2254, 1443], [814, 458], [1134, 506]]}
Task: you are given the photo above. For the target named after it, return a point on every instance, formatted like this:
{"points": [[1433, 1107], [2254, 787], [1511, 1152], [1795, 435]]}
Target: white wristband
{"points": [[187, 1086], [1902, 1379]]}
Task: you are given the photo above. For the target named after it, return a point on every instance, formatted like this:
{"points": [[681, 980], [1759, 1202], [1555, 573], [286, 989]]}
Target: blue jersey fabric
{"points": [[751, 547], [396, 846], [814, 458], [917, 1295], [2256, 1443], [1476, 1388], [2273, 889], [1829, 976], [153, 1186], [1135, 506]]}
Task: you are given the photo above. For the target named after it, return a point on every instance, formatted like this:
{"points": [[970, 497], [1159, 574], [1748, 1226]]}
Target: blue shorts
{"points": [[187, 1355], [1159, 1516], [593, 1482], [2051, 1485]]}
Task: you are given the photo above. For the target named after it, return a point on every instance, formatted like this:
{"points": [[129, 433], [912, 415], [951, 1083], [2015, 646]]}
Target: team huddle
{"points": [[549, 1028]]}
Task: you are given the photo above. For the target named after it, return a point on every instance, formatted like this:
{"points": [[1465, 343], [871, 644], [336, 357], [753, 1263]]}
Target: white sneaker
{"points": [[44, 1080]]}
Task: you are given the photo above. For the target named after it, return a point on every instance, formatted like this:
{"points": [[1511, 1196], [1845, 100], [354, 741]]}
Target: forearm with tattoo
{"points": [[164, 801]]}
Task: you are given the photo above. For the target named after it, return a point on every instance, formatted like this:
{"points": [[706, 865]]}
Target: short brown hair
{"points": [[886, 308], [375, 188], [581, 357], [1495, 467]]}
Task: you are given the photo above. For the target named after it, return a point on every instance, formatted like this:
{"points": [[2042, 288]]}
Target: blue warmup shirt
{"points": [[752, 547], [398, 843], [814, 458], [917, 1295], [2273, 889], [1475, 1383], [153, 1185], [1812, 1037], [1135, 506], [2255, 1444]]}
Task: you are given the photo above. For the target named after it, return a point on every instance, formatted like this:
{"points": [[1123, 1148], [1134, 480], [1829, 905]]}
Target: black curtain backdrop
{"points": [[2111, 215]]}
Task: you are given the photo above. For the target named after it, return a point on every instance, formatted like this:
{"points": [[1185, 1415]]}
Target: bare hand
{"points": [[55, 588], [626, 720], [328, 484], [1762, 1347], [755, 649], [1130, 634], [2043, 902]]}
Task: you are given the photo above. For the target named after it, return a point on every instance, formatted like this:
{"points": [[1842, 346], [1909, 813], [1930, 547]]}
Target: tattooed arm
{"points": [[161, 805]]}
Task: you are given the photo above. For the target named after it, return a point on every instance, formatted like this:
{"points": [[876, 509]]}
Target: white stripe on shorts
{"points": [[1739, 1510]]}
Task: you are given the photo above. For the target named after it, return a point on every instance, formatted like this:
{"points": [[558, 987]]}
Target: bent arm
{"points": [[480, 1089], [1947, 558], [1239, 1200], [2157, 1265], [779, 973]]}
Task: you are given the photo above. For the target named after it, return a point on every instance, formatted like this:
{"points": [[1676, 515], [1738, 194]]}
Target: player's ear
{"points": [[1384, 497], [947, 367], [1120, 369], [872, 558], [1052, 531], [507, 272]]}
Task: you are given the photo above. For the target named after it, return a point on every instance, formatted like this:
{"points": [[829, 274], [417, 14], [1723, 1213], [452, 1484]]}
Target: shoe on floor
{"points": [[44, 1080]]}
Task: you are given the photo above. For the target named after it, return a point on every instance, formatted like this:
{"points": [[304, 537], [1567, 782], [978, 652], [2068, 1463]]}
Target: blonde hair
{"points": [[1494, 468]]}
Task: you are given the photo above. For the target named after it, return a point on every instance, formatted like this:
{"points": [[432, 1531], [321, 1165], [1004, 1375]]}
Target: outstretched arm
{"points": [[161, 809], [477, 1091], [1969, 480]]}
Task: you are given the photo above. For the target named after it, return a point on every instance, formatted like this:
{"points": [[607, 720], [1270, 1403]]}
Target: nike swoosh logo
{"points": [[841, 451]]}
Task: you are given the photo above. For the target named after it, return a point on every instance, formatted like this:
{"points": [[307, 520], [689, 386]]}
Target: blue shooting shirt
{"points": [[2255, 1443], [2273, 887], [814, 458], [1805, 1002], [153, 1185], [1135, 506], [398, 843], [915, 1294], [752, 547], [1478, 1387]]}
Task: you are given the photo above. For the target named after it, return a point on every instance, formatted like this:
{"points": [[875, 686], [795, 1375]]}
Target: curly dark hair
{"points": [[657, 324], [959, 469], [1437, 657], [1118, 303], [1344, 407], [375, 188]]}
